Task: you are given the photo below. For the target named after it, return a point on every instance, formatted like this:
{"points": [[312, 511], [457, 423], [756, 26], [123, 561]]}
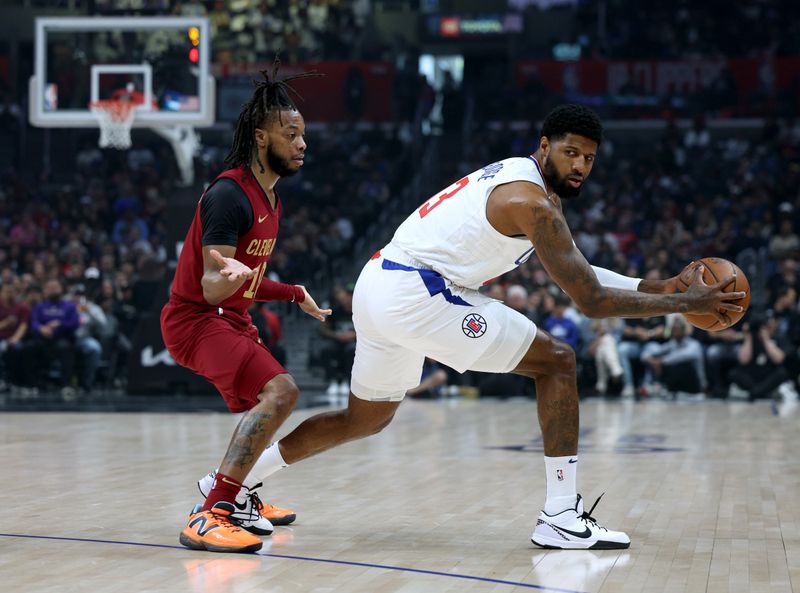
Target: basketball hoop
{"points": [[115, 119]]}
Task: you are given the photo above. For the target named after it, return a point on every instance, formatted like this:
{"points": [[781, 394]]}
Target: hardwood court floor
{"points": [[443, 501]]}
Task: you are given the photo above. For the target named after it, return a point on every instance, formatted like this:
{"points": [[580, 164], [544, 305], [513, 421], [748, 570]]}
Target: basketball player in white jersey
{"points": [[418, 297]]}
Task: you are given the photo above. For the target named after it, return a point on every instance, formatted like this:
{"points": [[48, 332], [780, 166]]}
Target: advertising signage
{"points": [[472, 26]]}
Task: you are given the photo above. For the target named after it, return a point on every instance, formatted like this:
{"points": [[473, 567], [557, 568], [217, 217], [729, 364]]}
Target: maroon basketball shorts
{"points": [[223, 347]]}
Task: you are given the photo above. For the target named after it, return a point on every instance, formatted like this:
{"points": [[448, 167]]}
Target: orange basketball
{"points": [[716, 269]]}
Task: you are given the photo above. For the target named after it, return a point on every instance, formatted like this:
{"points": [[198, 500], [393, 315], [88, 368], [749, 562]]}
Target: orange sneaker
{"points": [[214, 531], [273, 514], [277, 515]]}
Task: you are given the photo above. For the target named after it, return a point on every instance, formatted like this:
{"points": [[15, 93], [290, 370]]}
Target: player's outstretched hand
{"points": [[310, 306], [713, 299], [231, 268]]}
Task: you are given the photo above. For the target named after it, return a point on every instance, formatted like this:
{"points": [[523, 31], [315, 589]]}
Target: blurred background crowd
{"points": [[88, 236]]}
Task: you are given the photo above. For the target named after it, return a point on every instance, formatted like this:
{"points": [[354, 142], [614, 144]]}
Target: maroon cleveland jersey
{"points": [[253, 247]]}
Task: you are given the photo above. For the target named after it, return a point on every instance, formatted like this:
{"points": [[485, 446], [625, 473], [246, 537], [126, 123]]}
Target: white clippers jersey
{"points": [[451, 234]]}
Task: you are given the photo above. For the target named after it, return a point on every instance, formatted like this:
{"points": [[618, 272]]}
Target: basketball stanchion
{"points": [[185, 143]]}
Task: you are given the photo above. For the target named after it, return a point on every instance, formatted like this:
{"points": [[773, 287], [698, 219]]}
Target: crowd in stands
{"points": [[91, 253], [253, 31], [82, 257], [78, 263], [634, 30]]}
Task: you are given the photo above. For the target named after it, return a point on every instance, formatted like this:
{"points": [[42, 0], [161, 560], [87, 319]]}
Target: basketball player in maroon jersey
{"points": [[205, 324]]}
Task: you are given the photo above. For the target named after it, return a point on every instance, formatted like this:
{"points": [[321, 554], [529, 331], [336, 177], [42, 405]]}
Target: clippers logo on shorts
{"points": [[560, 475], [473, 326]]}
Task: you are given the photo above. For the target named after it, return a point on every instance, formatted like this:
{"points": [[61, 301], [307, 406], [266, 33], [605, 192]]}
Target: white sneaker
{"points": [[686, 396], [247, 514], [787, 391], [736, 392], [575, 529]]}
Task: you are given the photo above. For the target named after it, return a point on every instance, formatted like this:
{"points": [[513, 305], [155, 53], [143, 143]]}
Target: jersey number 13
{"points": [[443, 195]]}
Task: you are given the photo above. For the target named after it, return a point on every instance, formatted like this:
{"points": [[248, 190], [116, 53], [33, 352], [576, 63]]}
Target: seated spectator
{"points": [[603, 349], [787, 317], [762, 358], [786, 243], [54, 322], [517, 298], [640, 337], [339, 330], [722, 350], [93, 322], [129, 228], [678, 363], [14, 318], [560, 325], [787, 275], [116, 345], [787, 314]]}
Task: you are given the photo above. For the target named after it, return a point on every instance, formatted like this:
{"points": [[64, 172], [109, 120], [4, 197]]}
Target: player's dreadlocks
{"points": [[572, 119], [270, 98]]}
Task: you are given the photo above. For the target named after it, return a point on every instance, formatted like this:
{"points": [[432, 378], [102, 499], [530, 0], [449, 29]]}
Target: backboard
{"points": [[159, 63]]}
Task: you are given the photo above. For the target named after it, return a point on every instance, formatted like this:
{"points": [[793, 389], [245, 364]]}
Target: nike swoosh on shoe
{"points": [[585, 534]]}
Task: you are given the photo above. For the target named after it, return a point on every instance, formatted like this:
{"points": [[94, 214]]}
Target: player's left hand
{"points": [[310, 306], [671, 285], [231, 268], [667, 285]]}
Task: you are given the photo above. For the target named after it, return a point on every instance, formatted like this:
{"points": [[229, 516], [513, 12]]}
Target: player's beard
{"points": [[281, 166], [559, 184]]}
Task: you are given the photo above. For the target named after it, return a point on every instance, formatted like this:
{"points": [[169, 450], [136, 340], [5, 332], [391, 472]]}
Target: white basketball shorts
{"points": [[403, 313]]}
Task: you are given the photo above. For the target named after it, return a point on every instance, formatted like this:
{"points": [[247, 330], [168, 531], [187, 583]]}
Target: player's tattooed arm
{"points": [[548, 231], [222, 274]]}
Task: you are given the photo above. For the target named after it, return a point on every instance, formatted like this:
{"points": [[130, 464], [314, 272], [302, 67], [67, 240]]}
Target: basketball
{"points": [[716, 269]]}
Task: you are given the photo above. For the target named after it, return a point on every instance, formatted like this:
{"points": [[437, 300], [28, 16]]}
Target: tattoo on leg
{"points": [[249, 439], [560, 427]]}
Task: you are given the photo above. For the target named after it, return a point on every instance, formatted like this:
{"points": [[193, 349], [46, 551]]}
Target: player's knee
{"points": [[380, 424], [286, 399], [361, 425], [282, 396], [563, 359]]}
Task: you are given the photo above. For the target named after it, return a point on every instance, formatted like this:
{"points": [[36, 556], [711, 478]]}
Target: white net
{"points": [[115, 119]]}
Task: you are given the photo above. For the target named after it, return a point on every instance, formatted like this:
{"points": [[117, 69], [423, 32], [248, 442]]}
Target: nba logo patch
{"points": [[473, 326], [560, 475]]}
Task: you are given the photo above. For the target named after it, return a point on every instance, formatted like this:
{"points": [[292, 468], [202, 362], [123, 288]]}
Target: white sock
{"points": [[242, 496], [561, 478], [266, 465]]}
